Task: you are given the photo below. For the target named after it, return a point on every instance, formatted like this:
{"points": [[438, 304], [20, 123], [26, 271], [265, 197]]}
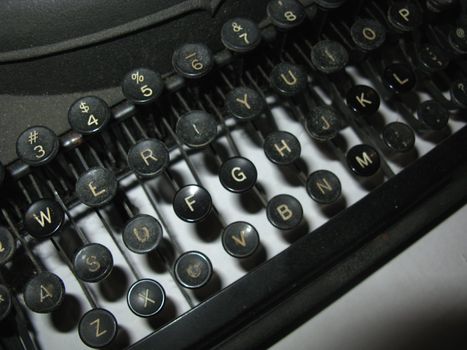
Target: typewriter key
{"points": [[5, 302], [458, 92], [240, 239], [96, 187], [93, 262], [146, 298], [329, 56], [142, 86], [244, 103], [323, 123], [404, 16], [43, 218], [192, 60], [368, 34], [240, 35], [286, 14], [97, 328], [7, 245], [282, 148], [458, 39], [2, 173], [192, 203], [142, 234], [330, 4], [323, 187], [238, 174], [89, 115], [433, 114], [363, 160], [284, 212], [193, 270], [148, 157], [288, 79], [37, 145], [363, 100], [196, 129], [439, 5], [44, 293], [399, 137], [432, 58], [399, 78]]}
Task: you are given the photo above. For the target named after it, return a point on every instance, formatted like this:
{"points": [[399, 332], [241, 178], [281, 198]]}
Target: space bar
{"points": [[262, 289]]}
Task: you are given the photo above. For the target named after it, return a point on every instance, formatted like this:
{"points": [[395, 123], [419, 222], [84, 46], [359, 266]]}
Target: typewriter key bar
{"points": [[165, 144]]}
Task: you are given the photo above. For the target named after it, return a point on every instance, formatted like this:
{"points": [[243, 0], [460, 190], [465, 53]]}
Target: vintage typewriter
{"points": [[210, 174]]}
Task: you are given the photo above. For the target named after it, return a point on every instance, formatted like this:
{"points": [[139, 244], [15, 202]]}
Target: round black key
{"points": [[404, 16], [37, 145], [238, 174], [329, 56], [192, 203], [240, 35], [97, 328], [433, 114], [284, 212], [2, 173], [458, 39], [399, 78], [286, 14], [5, 302], [7, 245], [368, 34], [44, 293], [44, 218], [432, 58], [323, 186], [363, 100], [193, 270], [196, 129], [282, 148], [146, 298], [288, 79], [148, 157], [458, 92], [240, 239], [89, 115], [330, 4], [192, 60], [363, 160], [142, 86], [142, 234], [93, 262], [323, 123], [399, 137], [244, 103], [96, 187]]}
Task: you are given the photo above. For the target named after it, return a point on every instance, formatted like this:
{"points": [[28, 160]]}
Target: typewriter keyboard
{"points": [[149, 207]]}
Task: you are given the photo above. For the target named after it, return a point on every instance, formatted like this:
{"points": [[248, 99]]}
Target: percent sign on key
{"points": [[138, 78]]}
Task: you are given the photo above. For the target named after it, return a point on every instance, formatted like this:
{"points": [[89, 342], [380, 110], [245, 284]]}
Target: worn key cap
{"points": [[43, 218], [244, 103], [196, 129], [146, 298], [458, 39], [329, 56], [433, 114], [7, 245], [323, 186], [367, 34], [240, 239], [192, 203], [97, 328], [192, 60], [363, 160], [37, 146], [5, 302], [238, 174], [93, 262], [286, 14], [240, 35], [142, 234], [96, 187], [44, 293], [142, 86], [193, 270], [148, 158], [458, 92], [284, 212], [89, 115], [399, 137], [323, 123], [288, 79], [282, 148], [404, 16]]}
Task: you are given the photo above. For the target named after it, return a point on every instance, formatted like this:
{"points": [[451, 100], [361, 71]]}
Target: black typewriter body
{"points": [[211, 174]]}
